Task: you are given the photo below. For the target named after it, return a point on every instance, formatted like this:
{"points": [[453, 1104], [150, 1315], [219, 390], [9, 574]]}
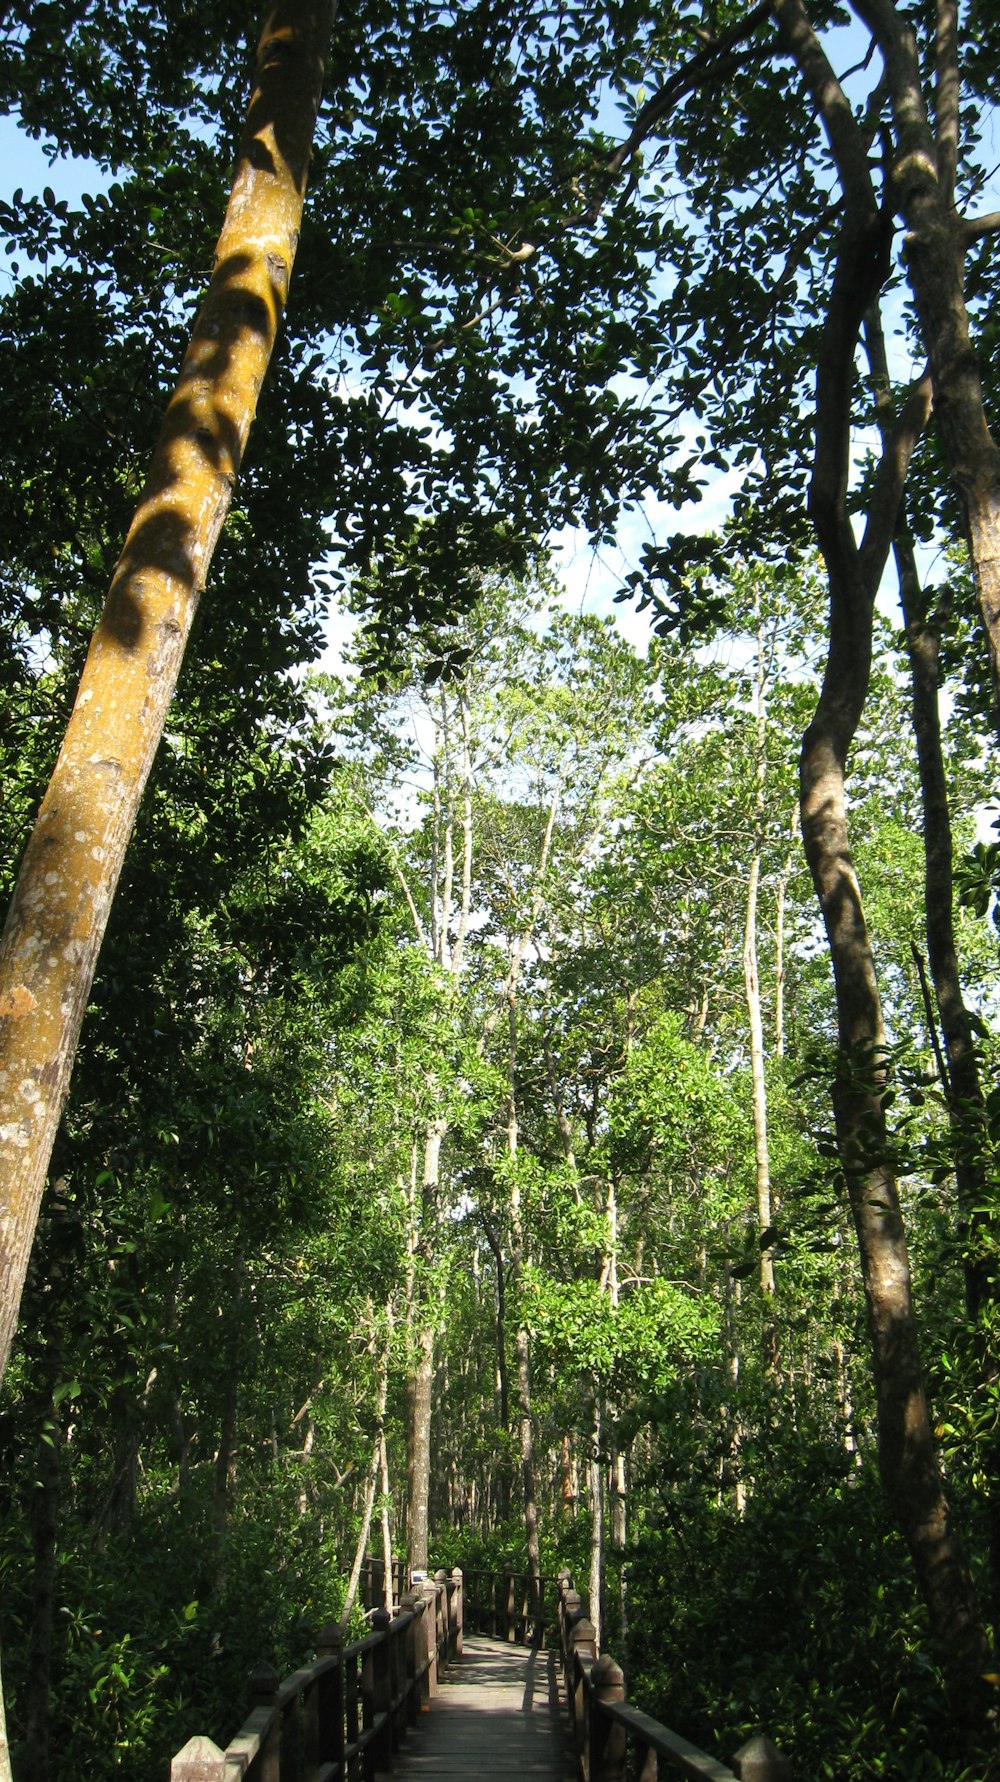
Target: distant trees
{"points": [[483, 1085]]}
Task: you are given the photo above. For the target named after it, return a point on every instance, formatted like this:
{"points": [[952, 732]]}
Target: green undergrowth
{"points": [[801, 1621], [156, 1637]]}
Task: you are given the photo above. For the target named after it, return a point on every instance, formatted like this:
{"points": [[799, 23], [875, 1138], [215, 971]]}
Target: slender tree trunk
{"points": [[308, 1439], [596, 1483], [907, 1458], [961, 1083], [751, 987], [937, 240], [732, 1427], [376, 1467], [501, 1372], [522, 1346], [779, 936], [619, 1529], [526, 1446], [845, 1403], [569, 1481], [371, 1484], [419, 1458], [67, 880], [384, 1518], [421, 1384]]}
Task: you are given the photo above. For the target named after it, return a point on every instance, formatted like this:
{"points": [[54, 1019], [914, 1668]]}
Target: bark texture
{"points": [[63, 896], [925, 158], [908, 1462]]}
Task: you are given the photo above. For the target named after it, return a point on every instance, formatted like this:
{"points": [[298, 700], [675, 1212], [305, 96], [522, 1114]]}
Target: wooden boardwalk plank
{"points": [[496, 1714]]}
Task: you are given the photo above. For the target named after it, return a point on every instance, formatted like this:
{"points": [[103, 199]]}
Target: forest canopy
{"points": [[470, 1064]]}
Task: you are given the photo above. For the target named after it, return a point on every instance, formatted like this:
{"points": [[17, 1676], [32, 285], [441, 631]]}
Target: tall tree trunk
{"points": [[937, 239], [522, 1347], [751, 987], [908, 1461], [616, 1474], [384, 1519], [596, 1484], [779, 935], [731, 1471], [501, 1371], [377, 1466], [371, 1485], [961, 1085], [420, 1385], [526, 1447], [907, 1458], [67, 880], [418, 1479]]}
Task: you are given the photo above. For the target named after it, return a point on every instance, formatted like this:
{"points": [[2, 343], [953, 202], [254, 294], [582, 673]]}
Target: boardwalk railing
{"points": [[372, 1582], [341, 1717], [509, 1605], [616, 1741]]}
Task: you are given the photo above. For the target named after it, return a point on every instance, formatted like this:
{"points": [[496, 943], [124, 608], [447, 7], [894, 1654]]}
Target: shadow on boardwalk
{"points": [[497, 1714]]}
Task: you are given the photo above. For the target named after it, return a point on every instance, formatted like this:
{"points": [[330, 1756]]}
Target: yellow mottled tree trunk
{"points": [[74, 857]]}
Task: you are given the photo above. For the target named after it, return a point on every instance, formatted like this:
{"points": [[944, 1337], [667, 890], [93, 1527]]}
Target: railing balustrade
{"points": [[341, 1717], [509, 1605], [616, 1741]]}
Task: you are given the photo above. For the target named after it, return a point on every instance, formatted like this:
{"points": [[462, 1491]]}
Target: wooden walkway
{"points": [[496, 1714]]}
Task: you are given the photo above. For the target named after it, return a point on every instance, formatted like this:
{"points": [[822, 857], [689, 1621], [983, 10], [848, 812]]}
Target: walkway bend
{"points": [[496, 1714]]}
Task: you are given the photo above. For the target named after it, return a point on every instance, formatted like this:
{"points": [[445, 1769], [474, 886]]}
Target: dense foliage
{"points": [[465, 1014]]}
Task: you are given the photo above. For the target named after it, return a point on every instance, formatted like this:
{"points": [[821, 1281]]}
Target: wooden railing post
{"points": [[570, 1612], [325, 1723], [200, 1761], [443, 1617], [409, 1604], [457, 1610], [508, 1602], [264, 1686], [397, 1686], [759, 1760], [429, 1591], [582, 1644], [380, 1749], [606, 1741]]}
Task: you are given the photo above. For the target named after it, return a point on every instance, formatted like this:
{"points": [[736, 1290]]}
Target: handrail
{"points": [[615, 1740], [509, 1605], [341, 1717]]}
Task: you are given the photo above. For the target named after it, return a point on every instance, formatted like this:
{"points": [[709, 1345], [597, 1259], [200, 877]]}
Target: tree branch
{"points": [[972, 229], [948, 89], [702, 67]]}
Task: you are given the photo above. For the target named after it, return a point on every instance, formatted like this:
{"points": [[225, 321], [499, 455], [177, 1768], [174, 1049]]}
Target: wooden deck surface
{"points": [[496, 1714]]}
